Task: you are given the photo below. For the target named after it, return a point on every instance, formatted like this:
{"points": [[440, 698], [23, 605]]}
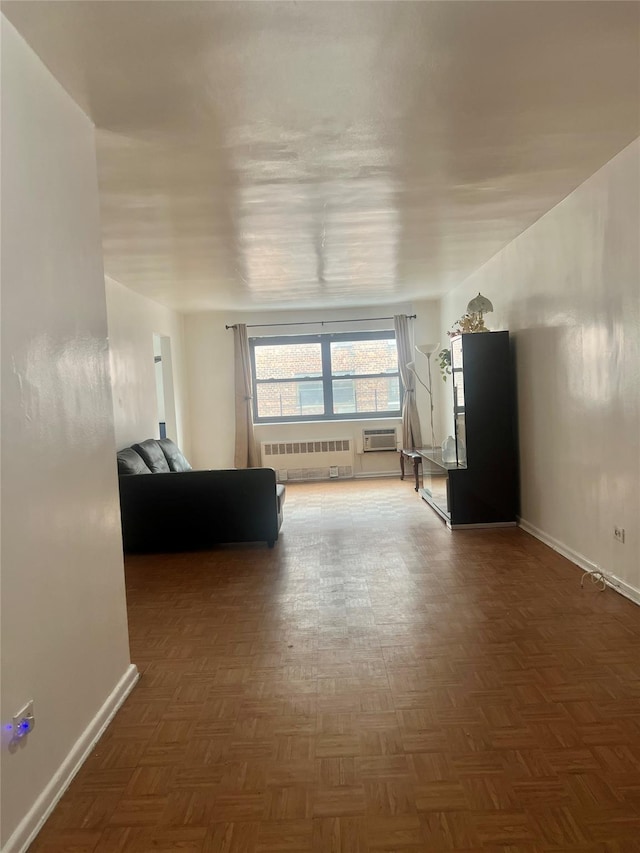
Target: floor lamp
{"points": [[427, 350]]}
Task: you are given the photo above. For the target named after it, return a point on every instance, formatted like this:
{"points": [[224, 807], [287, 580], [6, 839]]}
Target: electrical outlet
{"points": [[23, 721], [333, 471], [618, 533]]}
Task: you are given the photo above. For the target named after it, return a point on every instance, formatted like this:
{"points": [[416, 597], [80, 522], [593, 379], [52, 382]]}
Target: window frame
{"points": [[325, 340]]}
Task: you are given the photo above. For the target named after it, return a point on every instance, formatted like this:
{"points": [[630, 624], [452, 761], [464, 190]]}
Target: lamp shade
{"points": [[479, 305], [427, 349]]}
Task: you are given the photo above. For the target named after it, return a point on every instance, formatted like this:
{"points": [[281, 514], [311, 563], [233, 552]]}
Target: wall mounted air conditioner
{"points": [[378, 439]]}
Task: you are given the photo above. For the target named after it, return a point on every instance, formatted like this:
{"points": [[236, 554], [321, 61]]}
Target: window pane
{"points": [[364, 357], [458, 389], [284, 361], [344, 398], [366, 395], [393, 390], [289, 399]]}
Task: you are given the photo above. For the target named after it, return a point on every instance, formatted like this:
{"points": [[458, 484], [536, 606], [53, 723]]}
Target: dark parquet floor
{"points": [[373, 683]]}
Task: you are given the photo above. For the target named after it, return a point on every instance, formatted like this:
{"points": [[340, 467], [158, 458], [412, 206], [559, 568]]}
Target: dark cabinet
{"points": [[479, 488]]}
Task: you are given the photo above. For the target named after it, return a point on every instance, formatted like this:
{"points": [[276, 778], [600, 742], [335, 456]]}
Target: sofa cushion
{"points": [[152, 454], [130, 462], [175, 457]]}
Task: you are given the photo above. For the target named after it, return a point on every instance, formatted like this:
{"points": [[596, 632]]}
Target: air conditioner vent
{"points": [[379, 439]]}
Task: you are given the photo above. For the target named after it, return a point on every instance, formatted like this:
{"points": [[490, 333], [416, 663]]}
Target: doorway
{"points": [[165, 399]]}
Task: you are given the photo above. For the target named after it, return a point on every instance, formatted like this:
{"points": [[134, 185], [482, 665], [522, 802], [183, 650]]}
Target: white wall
{"points": [[64, 629], [133, 319], [209, 355], [568, 290], [209, 366]]}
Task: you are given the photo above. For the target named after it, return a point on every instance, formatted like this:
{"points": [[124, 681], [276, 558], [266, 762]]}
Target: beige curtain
{"points": [[246, 452], [411, 436]]}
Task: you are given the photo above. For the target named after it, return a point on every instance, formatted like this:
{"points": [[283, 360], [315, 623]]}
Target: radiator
{"points": [[319, 459]]}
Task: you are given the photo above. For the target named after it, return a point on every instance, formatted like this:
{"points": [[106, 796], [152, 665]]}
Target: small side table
{"points": [[416, 459]]}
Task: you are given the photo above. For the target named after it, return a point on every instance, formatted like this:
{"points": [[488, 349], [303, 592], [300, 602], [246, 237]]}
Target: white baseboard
{"points": [[623, 588], [376, 475], [32, 822], [581, 561]]}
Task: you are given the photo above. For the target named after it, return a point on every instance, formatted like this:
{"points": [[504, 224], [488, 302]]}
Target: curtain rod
{"points": [[321, 322]]}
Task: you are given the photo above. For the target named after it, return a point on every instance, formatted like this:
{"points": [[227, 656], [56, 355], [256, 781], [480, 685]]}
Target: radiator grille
{"points": [[289, 448], [317, 459]]}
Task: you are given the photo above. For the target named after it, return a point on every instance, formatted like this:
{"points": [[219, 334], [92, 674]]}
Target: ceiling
{"points": [[282, 154]]}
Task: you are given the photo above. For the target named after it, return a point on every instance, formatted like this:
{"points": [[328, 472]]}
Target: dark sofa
{"points": [[179, 509]]}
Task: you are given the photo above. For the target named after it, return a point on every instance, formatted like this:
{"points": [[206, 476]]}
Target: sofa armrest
{"points": [[196, 509]]}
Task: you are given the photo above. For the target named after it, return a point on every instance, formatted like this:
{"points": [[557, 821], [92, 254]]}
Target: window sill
{"points": [[386, 420]]}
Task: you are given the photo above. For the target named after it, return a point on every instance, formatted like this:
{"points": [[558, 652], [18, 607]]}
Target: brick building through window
{"points": [[324, 377]]}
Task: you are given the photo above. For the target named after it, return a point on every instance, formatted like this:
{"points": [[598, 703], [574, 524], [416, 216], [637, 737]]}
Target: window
{"points": [[325, 377]]}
